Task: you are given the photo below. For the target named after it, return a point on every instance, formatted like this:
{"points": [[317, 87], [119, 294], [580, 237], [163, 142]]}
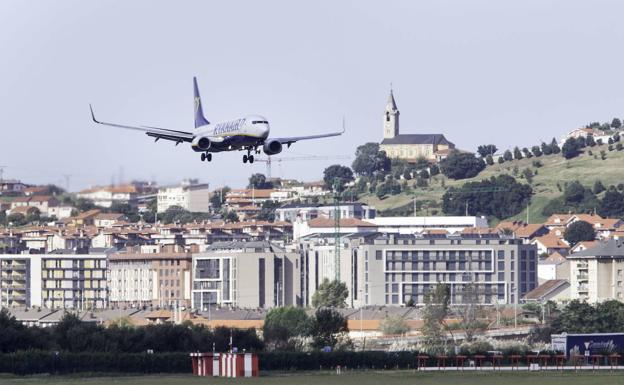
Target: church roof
{"points": [[417, 139], [391, 102]]}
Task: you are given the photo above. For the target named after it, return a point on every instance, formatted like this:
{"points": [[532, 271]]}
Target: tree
{"points": [[421, 163], [527, 173], [537, 151], [489, 160], [217, 198], [394, 325], [527, 153], [231, 216], [16, 219], [517, 153], [267, 210], [616, 123], [554, 146], [337, 176], [434, 314], [283, 324], [612, 204], [501, 196], [330, 294], [327, 326], [598, 187], [579, 231], [507, 156], [546, 149], [369, 160], [471, 311], [460, 165], [589, 141], [571, 148], [434, 170], [487, 149], [258, 181]]}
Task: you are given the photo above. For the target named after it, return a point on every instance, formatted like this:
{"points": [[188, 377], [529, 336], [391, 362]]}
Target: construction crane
{"points": [[269, 160], [337, 229]]}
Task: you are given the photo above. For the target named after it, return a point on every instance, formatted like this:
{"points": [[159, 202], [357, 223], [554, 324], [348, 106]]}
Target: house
{"points": [[106, 196], [524, 230], [550, 243], [557, 290], [556, 266], [107, 220]]}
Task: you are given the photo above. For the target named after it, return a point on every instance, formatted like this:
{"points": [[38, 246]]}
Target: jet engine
{"points": [[201, 143], [272, 147]]}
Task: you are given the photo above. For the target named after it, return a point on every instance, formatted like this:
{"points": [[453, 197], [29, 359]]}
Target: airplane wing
{"points": [[290, 140], [154, 132]]}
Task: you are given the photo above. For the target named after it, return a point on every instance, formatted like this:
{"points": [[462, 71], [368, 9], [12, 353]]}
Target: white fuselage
{"points": [[235, 134]]}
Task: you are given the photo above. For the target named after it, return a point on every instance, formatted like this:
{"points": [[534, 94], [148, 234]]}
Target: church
{"points": [[433, 147]]}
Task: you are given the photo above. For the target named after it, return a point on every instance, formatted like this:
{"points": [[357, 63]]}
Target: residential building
{"points": [[326, 225], [556, 266], [392, 269], [20, 280], [75, 281], [189, 195], [557, 290], [106, 196], [410, 225], [433, 147], [292, 212], [149, 279], [551, 243], [256, 274], [597, 274]]}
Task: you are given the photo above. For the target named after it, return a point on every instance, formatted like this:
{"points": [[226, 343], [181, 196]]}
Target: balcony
{"points": [[582, 277]]}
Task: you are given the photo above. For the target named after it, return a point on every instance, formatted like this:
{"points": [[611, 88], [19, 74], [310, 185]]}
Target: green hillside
{"points": [[555, 169]]}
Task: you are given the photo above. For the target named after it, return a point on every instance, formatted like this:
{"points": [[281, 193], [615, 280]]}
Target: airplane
{"points": [[250, 133]]}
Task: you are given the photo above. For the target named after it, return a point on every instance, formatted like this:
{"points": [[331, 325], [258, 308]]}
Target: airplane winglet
{"points": [[93, 114]]}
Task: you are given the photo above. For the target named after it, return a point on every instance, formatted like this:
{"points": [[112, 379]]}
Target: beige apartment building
{"points": [[597, 274], [149, 279], [256, 274]]}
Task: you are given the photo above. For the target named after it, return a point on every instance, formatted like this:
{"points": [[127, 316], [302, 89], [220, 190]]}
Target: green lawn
{"points": [[360, 378]]}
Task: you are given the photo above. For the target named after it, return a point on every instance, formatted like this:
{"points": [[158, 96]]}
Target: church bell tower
{"points": [[391, 118]]}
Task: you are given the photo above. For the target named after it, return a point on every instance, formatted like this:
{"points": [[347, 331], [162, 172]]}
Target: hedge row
{"points": [[348, 359], [32, 362]]}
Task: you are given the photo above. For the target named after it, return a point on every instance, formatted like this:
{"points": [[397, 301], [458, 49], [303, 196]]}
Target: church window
{"points": [[387, 116]]}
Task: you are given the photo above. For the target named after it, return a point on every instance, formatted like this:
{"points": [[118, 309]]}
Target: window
{"points": [[378, 255]]}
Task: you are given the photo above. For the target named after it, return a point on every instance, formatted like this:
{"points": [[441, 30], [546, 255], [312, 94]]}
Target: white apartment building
{"points": [[189, 195], [597, 274], [20, 280]]}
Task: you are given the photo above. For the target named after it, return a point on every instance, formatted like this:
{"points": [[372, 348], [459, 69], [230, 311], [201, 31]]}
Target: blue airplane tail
{"points": [[200, 120]]}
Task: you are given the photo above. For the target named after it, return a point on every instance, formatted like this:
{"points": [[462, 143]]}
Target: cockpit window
{"points": [[259, 122]]}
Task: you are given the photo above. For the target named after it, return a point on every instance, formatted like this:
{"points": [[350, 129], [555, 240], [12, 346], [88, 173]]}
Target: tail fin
{"points": [[200, 120]]}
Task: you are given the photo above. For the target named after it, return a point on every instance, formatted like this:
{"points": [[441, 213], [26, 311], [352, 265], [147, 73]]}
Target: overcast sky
{"points": [[503, 72]]}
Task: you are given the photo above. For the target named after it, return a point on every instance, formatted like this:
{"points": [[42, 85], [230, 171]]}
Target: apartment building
{"points": [[300, 211], [20, 280], [189, 195], [75, 281], [392, 269], [255, 274], [596, 274], [143, 279]]}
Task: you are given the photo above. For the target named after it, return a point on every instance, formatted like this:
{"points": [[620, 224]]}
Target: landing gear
{"points": [[206, 156], [248, 158]]}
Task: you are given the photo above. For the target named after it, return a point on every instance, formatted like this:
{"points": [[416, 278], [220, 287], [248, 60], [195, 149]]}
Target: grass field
{"points": [[585, 168], [360, 378]]}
